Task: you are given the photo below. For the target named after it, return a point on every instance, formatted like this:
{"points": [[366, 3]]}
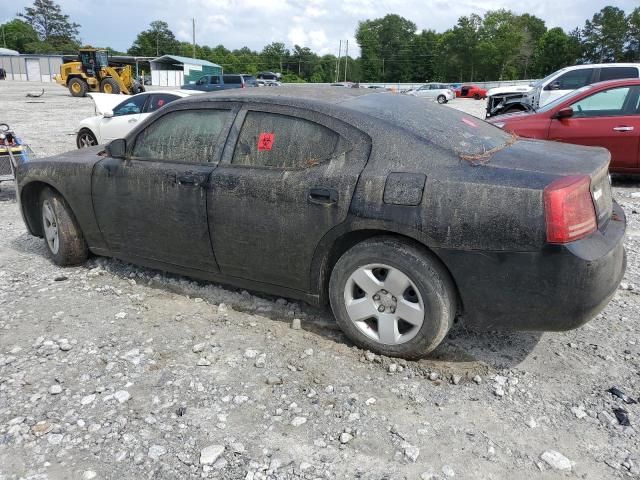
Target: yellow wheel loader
{"points": [[94, 74]]}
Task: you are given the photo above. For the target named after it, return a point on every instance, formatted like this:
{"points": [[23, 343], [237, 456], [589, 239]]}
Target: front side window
{"points": [[214, 80], [185, 136], [131, 106], [602, 104], [573, 79], [282, 141]]}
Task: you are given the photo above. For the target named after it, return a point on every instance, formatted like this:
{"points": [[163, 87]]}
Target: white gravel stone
{"points": [[556, 460], [86, 400], [393, 368], [579, 412], [250, 353], [156, 451], [448, 471], [210, 454], [455, 379], [203, 362], [297, 421], [55, 389], [54, 438], [198, 347], [411, 452], [295, 324], [89, 475], [477, 379], [345, 437], [122, 396]]}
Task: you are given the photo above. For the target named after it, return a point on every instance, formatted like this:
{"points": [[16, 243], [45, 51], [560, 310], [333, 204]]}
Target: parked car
{"points": [[115, 117], [268, 83], [605, 114], [471, 91], [399, 214], [526, 98], [213, 83], [438, 91]]}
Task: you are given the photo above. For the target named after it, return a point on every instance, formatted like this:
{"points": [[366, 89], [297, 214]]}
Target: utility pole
{"points": [[346, 59], [383, 69], [194, 36], [338, 62], [4, 39]]}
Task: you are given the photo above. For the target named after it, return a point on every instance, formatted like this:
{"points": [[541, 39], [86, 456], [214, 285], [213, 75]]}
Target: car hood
{"points": [[104, 101], [511, 89]]}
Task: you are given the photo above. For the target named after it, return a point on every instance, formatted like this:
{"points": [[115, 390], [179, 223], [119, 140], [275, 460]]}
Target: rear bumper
{"points": [[558, 288]]}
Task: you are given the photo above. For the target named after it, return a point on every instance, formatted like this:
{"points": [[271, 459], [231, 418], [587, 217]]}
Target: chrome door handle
{"points": [[623, 129]]}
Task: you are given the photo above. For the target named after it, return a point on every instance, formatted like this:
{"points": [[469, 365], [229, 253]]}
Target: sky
{"points": [[317, 24]]}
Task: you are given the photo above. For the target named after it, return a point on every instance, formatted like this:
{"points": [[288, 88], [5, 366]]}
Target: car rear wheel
{"points": [[392, 298], [85, 139], [442, 99], [62, 235], [109, 85], [78, 87], [476, 96]]}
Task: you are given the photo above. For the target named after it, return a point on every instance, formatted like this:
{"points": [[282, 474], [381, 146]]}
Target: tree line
{"points": [[500, 45]]}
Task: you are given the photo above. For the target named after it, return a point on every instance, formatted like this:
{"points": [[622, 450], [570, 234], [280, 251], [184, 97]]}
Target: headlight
{"points": [[499, 124]]}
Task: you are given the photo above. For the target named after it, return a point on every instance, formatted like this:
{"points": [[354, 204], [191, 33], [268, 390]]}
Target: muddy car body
{"points": [[399, 213]]}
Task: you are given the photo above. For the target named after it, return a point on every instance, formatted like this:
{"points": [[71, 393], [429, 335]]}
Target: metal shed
{"points": [[174, 70], [30, 68]]}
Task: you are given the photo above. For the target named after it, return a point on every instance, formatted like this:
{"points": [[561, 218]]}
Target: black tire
{"points": [[78, 87], [137, 88], [441, 99], [476, 96], [109, 85], [431, 279], [71, 246], [513, 110], [85, 138]]}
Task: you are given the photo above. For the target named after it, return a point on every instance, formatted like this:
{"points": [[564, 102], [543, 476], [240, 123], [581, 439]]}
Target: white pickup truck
{"points": [[524, 98]]}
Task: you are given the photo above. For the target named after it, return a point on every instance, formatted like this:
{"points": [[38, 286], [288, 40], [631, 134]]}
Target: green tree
{"points": [[386, 46], [47, 19], [19, 35], [633, 46], [604, 36], [553, 52], [156, 41], [500, 44], [533, 28]]}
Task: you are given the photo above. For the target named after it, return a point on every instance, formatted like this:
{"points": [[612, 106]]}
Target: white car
{"points": [[440, 92], [116, 115]]}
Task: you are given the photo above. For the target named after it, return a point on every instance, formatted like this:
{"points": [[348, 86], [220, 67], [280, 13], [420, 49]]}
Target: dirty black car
{"points": [[400, 214]]}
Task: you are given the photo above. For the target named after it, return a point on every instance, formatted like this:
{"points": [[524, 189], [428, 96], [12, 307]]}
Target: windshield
{"points": [[539, 83], [564, 98], [101, 58]]}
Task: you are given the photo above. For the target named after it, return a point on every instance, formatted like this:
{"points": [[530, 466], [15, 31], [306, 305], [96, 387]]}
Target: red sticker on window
{"points": [[265, 141]]}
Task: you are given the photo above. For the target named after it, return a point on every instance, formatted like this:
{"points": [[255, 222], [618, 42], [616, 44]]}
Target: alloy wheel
{"points": [[50, 227]]}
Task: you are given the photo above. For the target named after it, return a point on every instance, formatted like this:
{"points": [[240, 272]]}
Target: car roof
{"points": [[601, 65], [375, 111]]}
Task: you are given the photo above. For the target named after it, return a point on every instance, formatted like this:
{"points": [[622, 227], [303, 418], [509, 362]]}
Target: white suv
{"points": [[440, 92], [522, 98]]}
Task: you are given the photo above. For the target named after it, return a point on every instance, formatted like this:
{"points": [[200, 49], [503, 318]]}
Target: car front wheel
{"points": [[392, 298], [442, 99], [85, 139], [61, 232]]}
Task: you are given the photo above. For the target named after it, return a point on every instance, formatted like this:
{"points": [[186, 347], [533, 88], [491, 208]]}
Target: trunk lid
{"points": [[554, 159]]}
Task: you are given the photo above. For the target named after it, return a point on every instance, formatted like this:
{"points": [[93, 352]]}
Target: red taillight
{"points": [[569, 210]]}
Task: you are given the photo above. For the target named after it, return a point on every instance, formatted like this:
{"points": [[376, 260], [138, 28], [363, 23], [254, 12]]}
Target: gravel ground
{"points": [[113, 371]]}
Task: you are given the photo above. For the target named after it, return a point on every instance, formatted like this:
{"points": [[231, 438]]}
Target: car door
{"points": [[286, 179], [565, 83], [609, 119], [125, 116], [153, 204], [424, 91]]}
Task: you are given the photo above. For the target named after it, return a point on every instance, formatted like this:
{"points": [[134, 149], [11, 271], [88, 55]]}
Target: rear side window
{"points": [[158, 100], [250, 80], [573, 79], [615, 73], [281, 141], [602, 104], [187, 136], [232, 79]]}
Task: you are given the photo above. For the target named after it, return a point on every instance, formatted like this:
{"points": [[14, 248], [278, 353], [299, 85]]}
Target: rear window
{"points": [[231, 79], [250, 79], [615, 73]]}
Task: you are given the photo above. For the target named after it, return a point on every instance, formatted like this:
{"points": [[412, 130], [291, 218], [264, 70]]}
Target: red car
{"points": [[605, 114], [471, 91]]}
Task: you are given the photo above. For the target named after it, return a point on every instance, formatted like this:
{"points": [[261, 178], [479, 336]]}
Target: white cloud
{"points": [[317, 24]]}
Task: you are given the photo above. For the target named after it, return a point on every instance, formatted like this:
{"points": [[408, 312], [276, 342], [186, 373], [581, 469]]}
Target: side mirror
{"points": [[554, 86], [566, 112], [108, 114], [117, 148]]}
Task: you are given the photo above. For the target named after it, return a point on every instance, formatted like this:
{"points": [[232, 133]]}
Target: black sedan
{"points": [[399, 213]]}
